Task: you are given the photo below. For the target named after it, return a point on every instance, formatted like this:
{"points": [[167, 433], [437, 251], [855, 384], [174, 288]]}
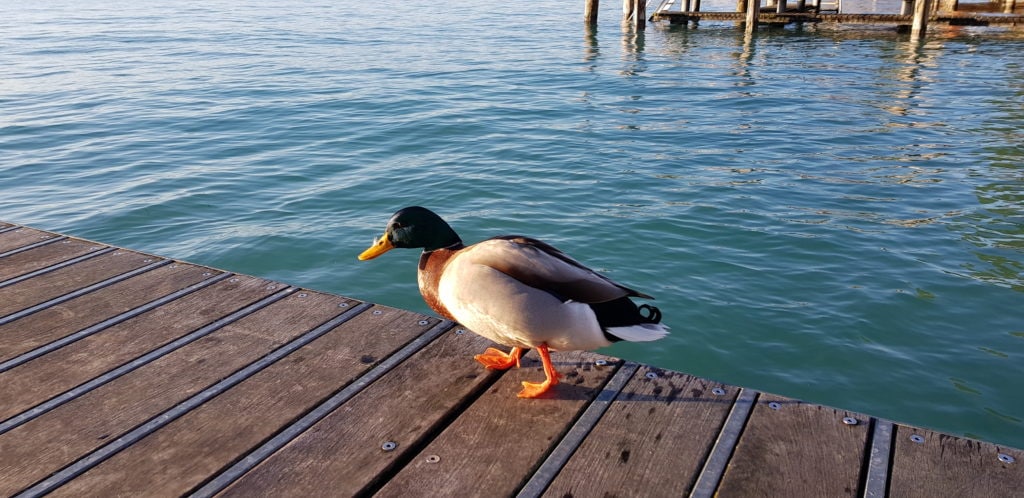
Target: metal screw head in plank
{"points": [[303, 294], [601, 363], [849, 421], [460, 331], [718, 391], [343, 305], [433, 459], [423, 322], [1003, 457], [233, 280], [389, 446], [774, 405], [377, 312], [651, 375], [917, 438], [271, 287]]}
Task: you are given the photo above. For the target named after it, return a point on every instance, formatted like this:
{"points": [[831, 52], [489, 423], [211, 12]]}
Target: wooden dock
{"points": [[770, 17], [914, 15], [128, 374]]}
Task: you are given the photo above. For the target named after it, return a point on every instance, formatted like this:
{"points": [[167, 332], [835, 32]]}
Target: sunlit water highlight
{"points": [[833, 215]]}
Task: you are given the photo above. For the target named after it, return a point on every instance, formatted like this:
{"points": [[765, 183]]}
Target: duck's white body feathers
{"points": [[521, 292]]}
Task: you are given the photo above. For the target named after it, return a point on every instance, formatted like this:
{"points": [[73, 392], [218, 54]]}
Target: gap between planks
{"points": [[98, 456], [145, 359], [83, 291], [253, 458]]}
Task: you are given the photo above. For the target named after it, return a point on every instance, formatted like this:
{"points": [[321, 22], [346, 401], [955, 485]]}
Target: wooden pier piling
{"points": [[753, 13], [590, 8], [635, 13], [922, 10]]}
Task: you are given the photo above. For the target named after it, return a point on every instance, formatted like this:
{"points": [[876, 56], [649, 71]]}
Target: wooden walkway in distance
{"points": [[772, 17], [128, 374]]}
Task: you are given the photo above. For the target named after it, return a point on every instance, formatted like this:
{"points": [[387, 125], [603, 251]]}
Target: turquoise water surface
{"points": [[829, 214]]}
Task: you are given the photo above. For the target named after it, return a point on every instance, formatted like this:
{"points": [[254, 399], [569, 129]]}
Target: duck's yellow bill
{"points": [[381, 246]]}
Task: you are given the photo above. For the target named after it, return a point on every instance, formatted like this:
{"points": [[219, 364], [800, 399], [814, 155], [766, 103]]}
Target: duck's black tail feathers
{"points": [[622, 320]]}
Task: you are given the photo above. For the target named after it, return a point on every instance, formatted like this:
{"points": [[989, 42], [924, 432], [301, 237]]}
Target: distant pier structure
{"points": [[914, 15]]}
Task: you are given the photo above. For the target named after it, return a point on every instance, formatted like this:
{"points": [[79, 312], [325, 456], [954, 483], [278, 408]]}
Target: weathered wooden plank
{"points": [[500, 439], [154, 424], [59, 282], [795, 449], [21, 237], [659, 430], [405, 407], [39, 447], [927, 463], [38, 380], [188, 451], [58, 321], [41, 257], [567, 446]]}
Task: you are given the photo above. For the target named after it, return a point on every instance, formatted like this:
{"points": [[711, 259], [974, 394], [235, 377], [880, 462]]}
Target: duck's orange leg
{"points": [[493, 359], [531, 389]]}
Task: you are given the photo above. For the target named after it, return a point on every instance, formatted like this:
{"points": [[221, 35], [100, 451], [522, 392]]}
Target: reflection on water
{"points": [[997, 226], [632, 49], [913, 57], [743, 57], [591, 49]]}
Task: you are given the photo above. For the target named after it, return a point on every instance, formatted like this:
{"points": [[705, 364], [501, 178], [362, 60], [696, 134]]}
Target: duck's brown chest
{"points": [[429, 277]]}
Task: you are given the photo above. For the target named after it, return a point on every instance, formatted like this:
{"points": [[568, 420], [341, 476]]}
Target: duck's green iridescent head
{"points": [[413, 227]]}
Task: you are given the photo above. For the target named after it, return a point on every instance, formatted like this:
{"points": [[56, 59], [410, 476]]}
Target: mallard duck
{"points": [[518, 292]]}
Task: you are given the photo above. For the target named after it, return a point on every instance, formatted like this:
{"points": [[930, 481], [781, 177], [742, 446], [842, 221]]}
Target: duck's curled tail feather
{"points": [[653, 314], [622, 320]]}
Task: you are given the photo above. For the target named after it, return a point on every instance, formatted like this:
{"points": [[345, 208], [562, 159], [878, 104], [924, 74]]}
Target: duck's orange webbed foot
{"points": [[492, 359], [534, 389]]}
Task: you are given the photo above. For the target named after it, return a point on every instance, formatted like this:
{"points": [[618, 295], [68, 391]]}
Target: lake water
{"points": [[829, 214]]}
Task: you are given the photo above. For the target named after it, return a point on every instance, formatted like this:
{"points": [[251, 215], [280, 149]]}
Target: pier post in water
{"points": [[590, 11], [753, 9], [921, 10], [635, 11]]}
